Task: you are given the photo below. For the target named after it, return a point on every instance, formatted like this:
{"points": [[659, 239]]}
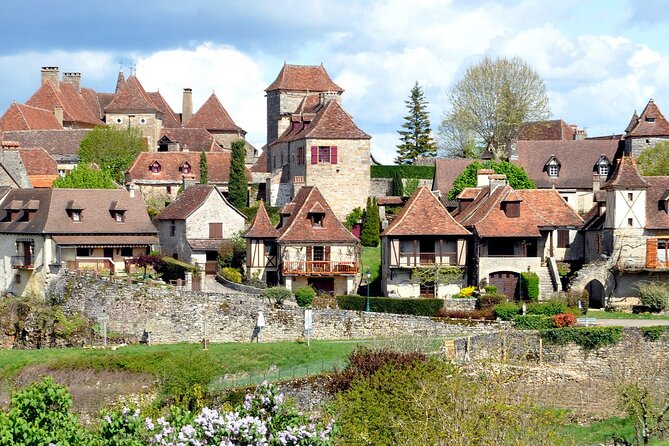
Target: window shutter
{"points": [[314, 154], [216, 230], [326, 253], [309, 254], [333, 155], [651, 253]]}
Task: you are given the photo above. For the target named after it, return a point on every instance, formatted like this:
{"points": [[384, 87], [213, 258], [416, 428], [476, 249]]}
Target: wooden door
{"points": [[506, 282]]}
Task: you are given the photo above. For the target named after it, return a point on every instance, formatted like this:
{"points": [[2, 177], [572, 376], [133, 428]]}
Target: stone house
{"points": [[423, 235], [515, 231], [195, 225], [44, 230], [311, 247], [645, 130]]}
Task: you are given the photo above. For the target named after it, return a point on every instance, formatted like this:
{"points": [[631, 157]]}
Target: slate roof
{"points": [[131, 97], [51, 216], [651, 122], [25, 117], [62, 145], [262, 226], [218, 164], [213, 117], [298, 227], [577, 161], [261, 163], [75, 106], [193, 139], [626, 176], [446, 170], [303, 78], [187, 202], [424, 215], [657, 216], [556, 130], [170, 119]]}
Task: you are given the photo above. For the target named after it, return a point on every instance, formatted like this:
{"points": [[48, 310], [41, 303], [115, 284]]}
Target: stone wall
{"points": [[183, 316]]}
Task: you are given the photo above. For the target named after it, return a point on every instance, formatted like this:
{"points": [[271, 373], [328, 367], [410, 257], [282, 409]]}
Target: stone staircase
{"points": [[546, 285]]}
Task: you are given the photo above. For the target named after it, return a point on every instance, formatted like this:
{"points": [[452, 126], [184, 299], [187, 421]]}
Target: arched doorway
{"points": [[506, 282], [597, 297]]}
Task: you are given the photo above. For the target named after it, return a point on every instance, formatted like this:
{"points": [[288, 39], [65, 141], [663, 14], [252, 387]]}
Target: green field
{"points": [[601, 314], [602, 432]]}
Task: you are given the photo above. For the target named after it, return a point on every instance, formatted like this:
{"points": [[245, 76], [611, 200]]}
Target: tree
{"points": [[494, 98], [456, 141], [113, 149], [237, 184], [371, 225], [398, 184], [83, 176], [515, 175], [654, 161], [204, 168], [416, 137]]}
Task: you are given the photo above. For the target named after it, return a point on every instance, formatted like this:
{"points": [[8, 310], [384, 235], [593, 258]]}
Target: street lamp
{"points": [[369, 276]]}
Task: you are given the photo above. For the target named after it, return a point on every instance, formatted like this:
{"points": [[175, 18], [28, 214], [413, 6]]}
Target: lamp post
{"points": [[369, 276]]}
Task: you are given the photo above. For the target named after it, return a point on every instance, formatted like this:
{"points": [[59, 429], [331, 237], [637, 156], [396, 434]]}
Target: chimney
{"points": [[6, 144], [74, 79], [58, 113], [50, 74], [188, 181], [482, 177], [187, 106], [497, 181], [131, 190], [327, 96]]}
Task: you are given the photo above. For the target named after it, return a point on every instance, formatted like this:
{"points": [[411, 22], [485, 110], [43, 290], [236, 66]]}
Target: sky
{"points": [[600, 60]]}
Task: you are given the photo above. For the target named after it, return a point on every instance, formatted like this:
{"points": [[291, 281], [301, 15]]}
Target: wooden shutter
{"points": [[314, 154], [326, 253], [216, 230], [563, 238], [333, 155], [309, 254], [651, 253]]}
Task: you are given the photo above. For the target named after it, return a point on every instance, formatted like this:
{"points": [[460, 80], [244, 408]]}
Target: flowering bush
{"points": [[564, 320], [466, 292]]}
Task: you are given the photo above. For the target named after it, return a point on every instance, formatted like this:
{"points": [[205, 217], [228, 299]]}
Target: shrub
{"points": [[564, 320], [589, 338], [418, 307], [548, 308], [405, 171], [278, 294], [173, 269], [466, 292], [487, 314], [231, 274], [255, 283], [305, 296], [532, 322], [486, 301], [490, 289], [654, 332], [655, 295], [507, 311], [529, 285]]}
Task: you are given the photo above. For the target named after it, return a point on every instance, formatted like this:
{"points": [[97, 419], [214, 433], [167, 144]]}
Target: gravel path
{"points": [[632, 322]]}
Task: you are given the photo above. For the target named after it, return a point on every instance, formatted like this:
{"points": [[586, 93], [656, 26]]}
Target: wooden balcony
{"points": [[320, 268], [92, 264], [22, 262], [417, 259]]}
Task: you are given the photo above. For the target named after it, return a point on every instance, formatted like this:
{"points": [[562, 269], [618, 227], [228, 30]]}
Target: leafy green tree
{"points": [[371, 225], [416, 136], [515, 175], [204, 168], [398, 184], [493, 99], [654, 161], [237, 184], [83, 176], [354, 217], [113, 149]]}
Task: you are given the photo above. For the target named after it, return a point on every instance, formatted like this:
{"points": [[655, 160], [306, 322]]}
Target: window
{"points": [[173, 227], [563, 238], [512, 209], [317, 220], [662, 250], [76, 216], [603, 169], [119, 120], [324, 154], [83, 252], [216, 230], [18, 279], [318, 254], [649, 119], [168, 189], [126, 251], [553, 170], [142, 121], [630, 196], [300, 156], [108, 253], [185, 168], [630, 222], [119, 216], [61, 172], [155, 167]]}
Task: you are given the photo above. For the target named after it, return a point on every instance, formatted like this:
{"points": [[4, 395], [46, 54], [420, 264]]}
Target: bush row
{"points": [[587, 337], [507, 311], [529, 285], [407, 171], [467, 314], [543, 322], [418, 307]]}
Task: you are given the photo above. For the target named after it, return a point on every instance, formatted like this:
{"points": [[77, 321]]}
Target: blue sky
{"points": [[600, 60]]}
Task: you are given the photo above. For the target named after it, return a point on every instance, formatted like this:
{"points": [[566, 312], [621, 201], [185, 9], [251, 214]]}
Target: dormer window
{"points": [[119, 216], [155, 167], [511, 209], [75, 216], [603, 169], [185, 168], [316, 220], [553, 170], [649, 119]]}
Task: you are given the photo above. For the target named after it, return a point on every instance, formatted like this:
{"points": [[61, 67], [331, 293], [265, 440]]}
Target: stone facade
{"points": [[635, 146], [149, 125]]}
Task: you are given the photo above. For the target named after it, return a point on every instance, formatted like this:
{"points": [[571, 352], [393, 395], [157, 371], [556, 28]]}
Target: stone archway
{"points": [[595, 277], [597, 296]]}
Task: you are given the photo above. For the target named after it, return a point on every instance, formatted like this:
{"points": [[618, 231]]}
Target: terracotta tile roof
{"points": [[657, 215], [556, 130], [303, 78], [633, 122], [74, 104], [38, 161], [212, 116], [187, 202], [446, 170], [62, 145], [131, 97], [218, 167], [626, 176], [262, 226], [261, 163], [105, 99], [25, 117], [577, 161], [550, 206], [93, 102], [593, 220], [193, 139], [424, 215], [298, 227], [390, 201], [651, 122], [51, 216], [170, 119], [105, 240]]}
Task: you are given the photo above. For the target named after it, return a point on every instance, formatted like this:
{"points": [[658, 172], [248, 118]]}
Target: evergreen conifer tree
{"points": [[416, 135], [371, 226], [237, 184], [204, 168], [398, 184]]}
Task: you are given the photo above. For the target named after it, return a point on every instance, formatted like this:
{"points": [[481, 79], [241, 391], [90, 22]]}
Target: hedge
{"points": [[533, 322], [653, 333], [406, 171], [173, 269], [529, 284], [589, 338], [417, 307], [506, 312], [549, 308]]}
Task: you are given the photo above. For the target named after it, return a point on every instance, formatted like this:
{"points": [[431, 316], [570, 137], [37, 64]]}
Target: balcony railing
{"points": [[92, 264], [320, 268], [427, 259], [22, 262]]}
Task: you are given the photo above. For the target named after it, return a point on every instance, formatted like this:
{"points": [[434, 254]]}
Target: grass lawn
{"points": [[601, 314], [601, 432], [371, 260]]}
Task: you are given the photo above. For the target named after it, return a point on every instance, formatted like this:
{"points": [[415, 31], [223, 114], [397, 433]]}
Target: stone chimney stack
{"points": [[496, 181], [131, 190], [58, 113], [74, 79], [50, 74], [187, 106], [328, 96], [482, 177]]}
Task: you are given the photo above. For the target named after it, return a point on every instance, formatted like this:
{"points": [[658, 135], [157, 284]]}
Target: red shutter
{"points": [[333, 154], [326, 253], [314, 154], [309, 255], [651, 253]]}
